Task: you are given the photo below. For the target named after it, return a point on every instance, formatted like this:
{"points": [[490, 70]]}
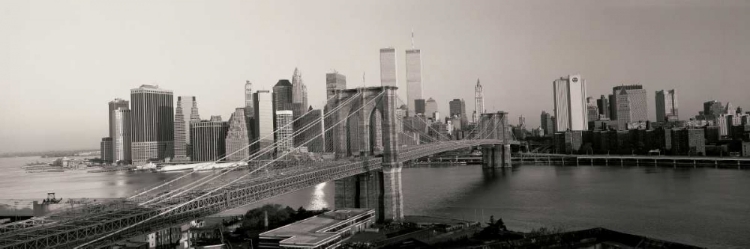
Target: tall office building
{"points": [[478, 102], [263, 123], [612, 107], [430, 108], [712, 109], [284, 131], [419, 107], [623, 110], [413, 78], [334, 81], [152, 116], [637, 105], [522, 122], [638, 102], [312, 137], [121, 139], [548, 123], [208, 138], [388, 73], [666, 105], [249, 99], [570, 103], [186, 111], [458, 109], [603, 105], [105, 149], [592, 110], [282, 95], [238, 138], [113, 105], [299, 94]]}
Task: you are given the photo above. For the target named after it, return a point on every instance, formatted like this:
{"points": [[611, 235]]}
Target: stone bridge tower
{"points": [[365, 136]]}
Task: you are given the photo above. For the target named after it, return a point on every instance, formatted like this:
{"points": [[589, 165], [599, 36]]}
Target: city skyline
{"points": [[710, 32]]}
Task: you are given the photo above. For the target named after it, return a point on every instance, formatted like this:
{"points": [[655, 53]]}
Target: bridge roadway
{"points": [[73, 228]]}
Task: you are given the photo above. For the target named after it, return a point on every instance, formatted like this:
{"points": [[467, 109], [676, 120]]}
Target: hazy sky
{"points": [[62, 61]]}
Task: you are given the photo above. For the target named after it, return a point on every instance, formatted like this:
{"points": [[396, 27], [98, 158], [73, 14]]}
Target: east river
{"points": [[704, 207]]}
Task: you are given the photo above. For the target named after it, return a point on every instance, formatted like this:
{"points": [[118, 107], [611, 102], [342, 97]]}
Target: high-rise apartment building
{"points": [[185, 112], [284, 131], [282, 95], [570, 103], [334, 81], [249, 100], [638, 102], [548, 123], [121, 139], [208, 139], [413, 78], [430, 107], [666, 105], [603, 105], [152, 116], [238, 138], [388, 72], [263, 123], [478, 102]]}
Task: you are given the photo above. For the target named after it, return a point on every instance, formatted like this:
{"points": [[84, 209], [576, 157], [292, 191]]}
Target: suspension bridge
{"points": [[361, 130]]}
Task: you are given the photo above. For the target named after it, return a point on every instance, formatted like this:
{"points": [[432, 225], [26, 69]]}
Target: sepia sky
{"points": [[62, 61]]}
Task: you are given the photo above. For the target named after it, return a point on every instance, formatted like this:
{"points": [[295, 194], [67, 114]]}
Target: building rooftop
{"points": [[313, 230]]}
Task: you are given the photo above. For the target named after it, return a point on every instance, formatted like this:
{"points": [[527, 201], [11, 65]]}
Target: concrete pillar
{"points": [[391, 194], [487, 151]]}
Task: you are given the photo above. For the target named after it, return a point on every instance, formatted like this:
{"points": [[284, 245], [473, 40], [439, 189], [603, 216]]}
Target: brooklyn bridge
{"points": [[362, 133]]}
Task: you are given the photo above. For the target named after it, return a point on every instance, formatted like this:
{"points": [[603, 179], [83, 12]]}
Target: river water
{"points": [[705, 207]]}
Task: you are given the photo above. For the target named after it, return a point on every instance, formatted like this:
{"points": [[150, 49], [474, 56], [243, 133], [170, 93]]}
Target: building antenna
{"points": [[412, 38]]}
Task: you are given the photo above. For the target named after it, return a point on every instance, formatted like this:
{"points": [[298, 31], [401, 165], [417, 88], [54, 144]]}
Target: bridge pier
{"points": [[496, 156]]}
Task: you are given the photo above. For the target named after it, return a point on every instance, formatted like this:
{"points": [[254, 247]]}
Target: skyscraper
{"points": [[637, 107], [430, 107], [522, 122], [570, 103], [263, 122], [208, 139], [313, 136], [603, 105], [186, 111], [419, 107], [712, 109], [121, 139], [413, 78], [638, 102], [334, 81], [249, 99], [623, 110], [666, 105], [284, 131], [113, 105], [238, 139], [299, 94], [458, 108], [105, 149], [548, 123], [388, 73], [478, 101], [592, 110], [282, 95], [152, 116]]}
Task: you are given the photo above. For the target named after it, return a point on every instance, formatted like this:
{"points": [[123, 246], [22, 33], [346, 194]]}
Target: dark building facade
{"points": [[208, 139], [282, 95], [688, 142], [334, 81], [548, 123], [603, 104], [152, 117], [419, 106]]}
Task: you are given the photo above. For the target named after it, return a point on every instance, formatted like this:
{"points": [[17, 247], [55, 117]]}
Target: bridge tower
{"points": [[365, 133], [495, 126]]}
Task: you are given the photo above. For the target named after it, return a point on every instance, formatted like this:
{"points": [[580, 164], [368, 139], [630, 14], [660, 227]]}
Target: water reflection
{"points": [[319, 198]]}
